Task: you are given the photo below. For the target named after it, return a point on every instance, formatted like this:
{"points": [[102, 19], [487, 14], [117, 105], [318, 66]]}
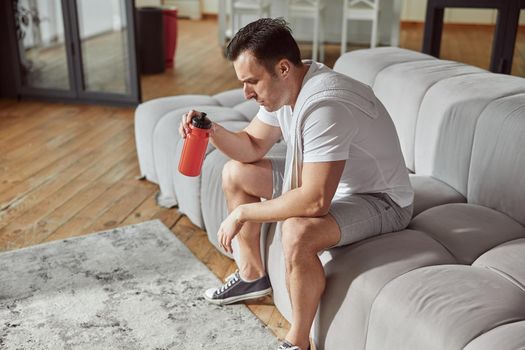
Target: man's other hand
{"points": [[229, 228]]}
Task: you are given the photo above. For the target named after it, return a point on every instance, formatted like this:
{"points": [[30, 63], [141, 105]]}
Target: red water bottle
{"points": [[195, 146]]}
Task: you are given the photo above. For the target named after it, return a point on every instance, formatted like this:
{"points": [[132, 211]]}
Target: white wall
{"points": [[187, 8], [142, 3], [94, 17], [210, 6]]}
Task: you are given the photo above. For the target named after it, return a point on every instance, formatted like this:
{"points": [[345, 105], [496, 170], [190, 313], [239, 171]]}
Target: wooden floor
{"points": [[68, 170]]}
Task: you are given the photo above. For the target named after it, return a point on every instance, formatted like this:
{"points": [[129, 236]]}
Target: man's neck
{"points": [[301, 73]]}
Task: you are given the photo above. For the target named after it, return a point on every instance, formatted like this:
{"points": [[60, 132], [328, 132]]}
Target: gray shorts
{"points": [[359, 216]]}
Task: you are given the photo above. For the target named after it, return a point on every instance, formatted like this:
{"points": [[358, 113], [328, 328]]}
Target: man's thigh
{"points": [[262, 178], [363, 216]]}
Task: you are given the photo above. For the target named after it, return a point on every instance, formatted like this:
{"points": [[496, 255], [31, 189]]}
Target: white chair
{"points": [[360, 10], [238, 8], [312, 9]]}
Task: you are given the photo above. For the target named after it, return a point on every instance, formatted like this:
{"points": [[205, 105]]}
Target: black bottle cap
{"points": [[201, 121]]}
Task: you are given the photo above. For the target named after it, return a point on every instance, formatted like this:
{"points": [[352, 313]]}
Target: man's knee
{"points": [[254, 179], [296, 238], [232, 175]]}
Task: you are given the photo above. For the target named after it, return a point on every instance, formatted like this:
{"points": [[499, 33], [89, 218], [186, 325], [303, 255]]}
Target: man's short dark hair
{"points": [[268, 39]]}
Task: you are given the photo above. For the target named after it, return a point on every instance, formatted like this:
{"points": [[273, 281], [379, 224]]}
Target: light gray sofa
{"points": [[455, 279]]}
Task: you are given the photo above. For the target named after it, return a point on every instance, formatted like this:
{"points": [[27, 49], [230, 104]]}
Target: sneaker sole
{"points": [[231, 300]]}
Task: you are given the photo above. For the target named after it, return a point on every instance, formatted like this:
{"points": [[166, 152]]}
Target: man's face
{"points": [[266, 88]]}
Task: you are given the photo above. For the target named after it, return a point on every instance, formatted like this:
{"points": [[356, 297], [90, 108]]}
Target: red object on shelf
{"points": [[170, 36]]}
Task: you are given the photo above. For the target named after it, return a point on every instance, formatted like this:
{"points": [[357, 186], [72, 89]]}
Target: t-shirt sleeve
{"points": [[268, 117], [328, 134]]}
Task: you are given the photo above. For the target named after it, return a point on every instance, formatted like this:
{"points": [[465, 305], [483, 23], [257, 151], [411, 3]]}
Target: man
{"points": [[344, 178]]}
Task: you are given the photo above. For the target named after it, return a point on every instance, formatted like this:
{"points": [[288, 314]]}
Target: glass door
{"points": [[107, 64], [77, 49], [44, 63]]}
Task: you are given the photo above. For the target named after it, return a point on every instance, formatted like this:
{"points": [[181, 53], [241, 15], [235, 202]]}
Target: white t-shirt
{"points": [[336, 131]]}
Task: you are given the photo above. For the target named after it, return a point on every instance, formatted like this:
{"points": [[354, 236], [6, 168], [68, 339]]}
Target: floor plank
{"points": [[147, 210]]}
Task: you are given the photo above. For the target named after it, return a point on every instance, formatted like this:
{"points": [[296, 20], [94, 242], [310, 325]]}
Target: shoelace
{"points": [[234, 279], [286, 346], [235, 273]]}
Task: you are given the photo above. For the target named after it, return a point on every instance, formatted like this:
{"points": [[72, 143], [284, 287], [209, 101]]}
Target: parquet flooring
{"points": [[69, 170]]}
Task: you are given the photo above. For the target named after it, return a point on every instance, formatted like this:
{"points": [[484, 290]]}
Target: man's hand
{"points": [[230, 227], [184, 127]]}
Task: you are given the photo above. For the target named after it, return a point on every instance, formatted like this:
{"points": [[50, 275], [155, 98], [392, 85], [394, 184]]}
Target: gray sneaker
{"points": [[287, 346], [236, 289]]}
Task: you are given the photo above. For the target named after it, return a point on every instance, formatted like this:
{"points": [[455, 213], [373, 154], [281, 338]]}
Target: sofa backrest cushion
{"points": [[249, 108], [230, 98], [402, 87], [363, 65], [497, 169], [447, 121]]}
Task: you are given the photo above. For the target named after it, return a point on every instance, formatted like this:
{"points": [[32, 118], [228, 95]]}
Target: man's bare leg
{"points": [[302, 239], [242, 184]]}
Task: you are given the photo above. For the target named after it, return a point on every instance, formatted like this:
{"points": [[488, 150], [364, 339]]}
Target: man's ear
{"points": [[283, 68]]}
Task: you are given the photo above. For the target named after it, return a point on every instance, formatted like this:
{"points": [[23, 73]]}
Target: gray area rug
{"points": [[136, 287]]}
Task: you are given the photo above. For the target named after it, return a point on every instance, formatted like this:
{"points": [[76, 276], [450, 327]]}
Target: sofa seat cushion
{"points": [[364, 65], [148, 114], [506, 337], [355, 276], [430, 192], [188, 189], [467, 230], [442, 307], [507, 259]]}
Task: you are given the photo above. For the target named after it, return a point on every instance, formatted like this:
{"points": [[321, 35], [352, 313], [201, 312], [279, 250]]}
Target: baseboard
{"points": [[210, 16]]}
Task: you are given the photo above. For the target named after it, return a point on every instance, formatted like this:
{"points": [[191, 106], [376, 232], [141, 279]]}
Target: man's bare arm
{"points": [[311, 199], [248, 145]]}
